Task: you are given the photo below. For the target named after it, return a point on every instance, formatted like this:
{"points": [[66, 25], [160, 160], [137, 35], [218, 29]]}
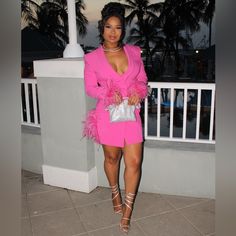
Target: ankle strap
{"points": [[129, 200], [115, 190], [114, 186]]}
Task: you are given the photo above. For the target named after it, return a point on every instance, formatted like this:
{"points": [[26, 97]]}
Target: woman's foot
{"points": [[116, 199], [127, 211]]}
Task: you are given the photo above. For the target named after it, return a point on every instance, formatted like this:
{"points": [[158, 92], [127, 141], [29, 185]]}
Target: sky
{"points": [[93, 14]]}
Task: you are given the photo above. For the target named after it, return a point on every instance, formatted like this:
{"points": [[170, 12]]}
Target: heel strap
{"points": [[125, 227]]}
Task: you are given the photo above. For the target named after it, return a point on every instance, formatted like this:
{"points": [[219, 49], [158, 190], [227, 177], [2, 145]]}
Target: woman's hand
{"points": [[117, 98], [134, 100]]}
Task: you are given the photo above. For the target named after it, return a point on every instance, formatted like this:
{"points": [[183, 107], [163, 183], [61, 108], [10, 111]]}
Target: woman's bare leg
{"points": [[132, 173], [111, 166]]}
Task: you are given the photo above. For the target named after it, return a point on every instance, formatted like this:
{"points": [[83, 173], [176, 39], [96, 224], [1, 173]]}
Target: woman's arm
{"points": [[110, 94], [91, 85]]}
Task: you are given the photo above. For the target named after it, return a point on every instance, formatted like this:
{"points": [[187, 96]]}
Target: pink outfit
{"points": [[101, 80]]}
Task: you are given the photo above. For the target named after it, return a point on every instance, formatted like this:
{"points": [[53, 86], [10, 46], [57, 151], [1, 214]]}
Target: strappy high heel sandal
{"points": [[115, 193], [129, 201]]}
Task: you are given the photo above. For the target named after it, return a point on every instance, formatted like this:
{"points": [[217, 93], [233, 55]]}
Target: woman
{"points": [[113, 72]]}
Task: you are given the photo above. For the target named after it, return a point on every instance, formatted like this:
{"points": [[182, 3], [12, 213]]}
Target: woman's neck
{"points": [[111, 45], [111, 48]]}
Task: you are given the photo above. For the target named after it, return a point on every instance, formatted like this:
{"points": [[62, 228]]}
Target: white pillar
{"points": [[68, 159], [73, 49]]}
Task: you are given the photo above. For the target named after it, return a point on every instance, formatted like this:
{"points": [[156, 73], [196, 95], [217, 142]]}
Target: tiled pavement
{"points": [[52, 211]]}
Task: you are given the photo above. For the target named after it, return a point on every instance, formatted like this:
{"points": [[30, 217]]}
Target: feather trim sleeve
{"points": [[90, 130], [139, 88], [110, 94]]}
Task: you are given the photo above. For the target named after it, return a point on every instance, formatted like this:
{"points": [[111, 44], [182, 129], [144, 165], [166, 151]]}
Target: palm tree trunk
{"points": [[151, 60], [65, 23], [210, 28], [163, 61], [177, 56], [147, 52], [177, 51], [140, 22]]}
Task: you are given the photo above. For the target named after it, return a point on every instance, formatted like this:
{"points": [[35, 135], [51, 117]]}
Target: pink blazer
{"points": [[101, 80]]}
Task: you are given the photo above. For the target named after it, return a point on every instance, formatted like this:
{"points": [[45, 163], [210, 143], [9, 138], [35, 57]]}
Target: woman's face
{"points": [[112, 30]]}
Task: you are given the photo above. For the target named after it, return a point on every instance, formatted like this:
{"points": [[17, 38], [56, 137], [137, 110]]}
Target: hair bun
{"points": [[113, 8]]}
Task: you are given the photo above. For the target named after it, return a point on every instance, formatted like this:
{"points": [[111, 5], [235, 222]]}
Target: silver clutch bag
{"points": [[122, 112]]}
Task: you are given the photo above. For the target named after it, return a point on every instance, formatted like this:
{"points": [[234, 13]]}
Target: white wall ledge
{"points": [[83, 181], [59, 68], [198, 147], [30, 129], [183, 146]]}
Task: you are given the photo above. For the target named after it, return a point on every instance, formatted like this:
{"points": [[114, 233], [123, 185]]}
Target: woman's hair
{"points": [[109, 10]]}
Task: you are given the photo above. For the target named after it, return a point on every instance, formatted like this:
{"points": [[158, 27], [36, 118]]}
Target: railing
{"points": [[29, 103], [181, 112]]}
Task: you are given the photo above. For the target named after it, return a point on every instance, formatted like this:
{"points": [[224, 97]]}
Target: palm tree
{"points": [[169, 48], [59, 8], [142, 10], [51, 19], [28, 9], [147, 39], [179, 15], [208, 16], [48, 24]]}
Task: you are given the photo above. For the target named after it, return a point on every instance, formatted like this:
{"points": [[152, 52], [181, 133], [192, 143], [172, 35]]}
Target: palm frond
{"points": [[155, 7], [209, 11], [128, 7], [131, 3], [131, 17]]}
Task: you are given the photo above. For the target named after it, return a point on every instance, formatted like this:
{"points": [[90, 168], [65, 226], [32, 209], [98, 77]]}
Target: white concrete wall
{"points": [[31, 149], [171, 170], [68, 160], [186, 170], [61, 122]]}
